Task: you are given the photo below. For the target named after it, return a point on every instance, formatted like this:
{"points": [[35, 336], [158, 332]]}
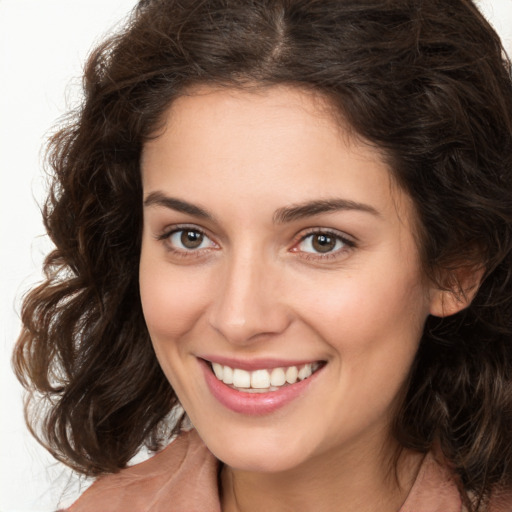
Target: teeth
{"points": [[277, 377], [260, 379], [263, 380], [227, 375], [218, 369], [291, 374], [255, 391], [305, 372], [241, 378]]}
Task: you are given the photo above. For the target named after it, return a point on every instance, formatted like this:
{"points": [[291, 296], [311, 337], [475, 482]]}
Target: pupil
{"points": [[191, 239], [324, 243]]}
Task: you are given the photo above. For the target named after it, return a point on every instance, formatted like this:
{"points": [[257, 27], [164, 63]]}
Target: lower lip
{"points": [[254, 404]]}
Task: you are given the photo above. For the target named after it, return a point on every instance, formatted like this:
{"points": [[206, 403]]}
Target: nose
{"points": [[249, 303]]}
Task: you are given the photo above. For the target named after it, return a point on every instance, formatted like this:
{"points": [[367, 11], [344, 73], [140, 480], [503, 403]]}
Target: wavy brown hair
{"points": [[427, 81]]}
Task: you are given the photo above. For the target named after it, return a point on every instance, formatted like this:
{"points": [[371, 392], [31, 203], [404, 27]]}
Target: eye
{"points": [[323, 242], [188, 239]]}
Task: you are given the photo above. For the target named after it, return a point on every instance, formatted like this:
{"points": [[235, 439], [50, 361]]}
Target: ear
{"points": [[459, 287]]}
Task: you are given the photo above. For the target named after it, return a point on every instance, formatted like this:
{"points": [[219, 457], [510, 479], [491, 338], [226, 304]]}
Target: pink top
{"points": [[184, 478]]}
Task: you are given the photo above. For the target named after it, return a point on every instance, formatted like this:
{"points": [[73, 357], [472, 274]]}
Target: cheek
{"points": [[361, 311], [172, 301], [372, 324]]}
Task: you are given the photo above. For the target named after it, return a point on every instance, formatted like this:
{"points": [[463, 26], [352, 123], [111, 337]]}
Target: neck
{"points": [[357, 481]]}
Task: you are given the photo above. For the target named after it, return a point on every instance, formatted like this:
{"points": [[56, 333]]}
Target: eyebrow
{"points": [[281, 216], [312, 208], [159, 199]]}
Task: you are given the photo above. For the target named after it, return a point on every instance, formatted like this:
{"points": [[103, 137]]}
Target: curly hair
{"points": [[426, 81]]}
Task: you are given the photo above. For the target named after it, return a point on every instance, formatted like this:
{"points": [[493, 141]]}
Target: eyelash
{"points": [[348, 244], [182, 253]]}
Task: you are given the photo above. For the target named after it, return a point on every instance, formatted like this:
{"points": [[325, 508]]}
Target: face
{"points": [[278, 254]]}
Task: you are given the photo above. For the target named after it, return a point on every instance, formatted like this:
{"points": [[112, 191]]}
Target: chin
{"points": [[262, 454], [259, 461]]}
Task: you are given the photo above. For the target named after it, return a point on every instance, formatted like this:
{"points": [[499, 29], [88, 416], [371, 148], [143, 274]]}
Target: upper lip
{"points": [[257, 363]]}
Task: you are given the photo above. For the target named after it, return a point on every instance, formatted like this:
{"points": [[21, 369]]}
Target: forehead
{"points": [[273, 146]]}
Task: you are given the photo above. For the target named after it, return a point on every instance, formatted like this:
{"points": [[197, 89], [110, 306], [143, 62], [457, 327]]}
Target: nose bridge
{"points": [[247, 303]]}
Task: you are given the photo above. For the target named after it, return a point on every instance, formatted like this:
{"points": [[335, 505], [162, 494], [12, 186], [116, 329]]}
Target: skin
{"points": [[258, 288]]}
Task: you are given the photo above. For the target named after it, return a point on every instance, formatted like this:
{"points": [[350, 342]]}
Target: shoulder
{"points": [[434, 490], [501, 501], [184, 474]]}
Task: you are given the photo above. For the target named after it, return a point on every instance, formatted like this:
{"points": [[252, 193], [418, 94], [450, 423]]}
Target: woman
{"points": [[294, 220]]}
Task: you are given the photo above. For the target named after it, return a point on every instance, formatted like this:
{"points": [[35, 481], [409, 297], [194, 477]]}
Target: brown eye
{"points": [[191, 239], [322, 242]]}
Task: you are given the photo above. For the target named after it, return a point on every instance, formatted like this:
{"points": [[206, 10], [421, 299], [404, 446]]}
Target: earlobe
{"points": [[447, 302], [464, 284]]}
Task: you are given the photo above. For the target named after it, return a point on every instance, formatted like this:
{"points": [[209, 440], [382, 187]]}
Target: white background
{"points": [[43, 45]]}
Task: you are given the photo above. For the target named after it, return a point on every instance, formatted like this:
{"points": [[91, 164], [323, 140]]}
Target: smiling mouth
{"points": [[263, 380]]}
